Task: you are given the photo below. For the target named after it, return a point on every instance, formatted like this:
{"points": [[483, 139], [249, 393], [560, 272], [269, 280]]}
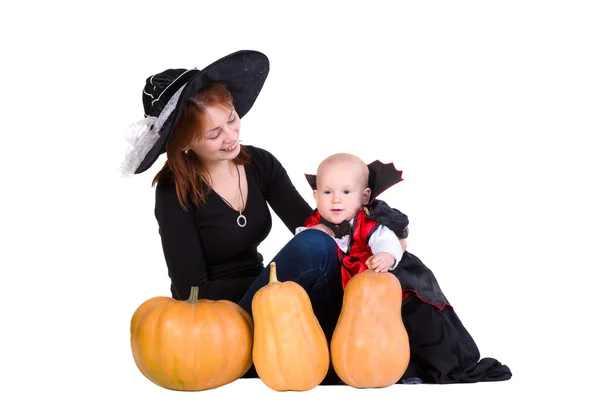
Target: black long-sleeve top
{"points": [[205, 247]]}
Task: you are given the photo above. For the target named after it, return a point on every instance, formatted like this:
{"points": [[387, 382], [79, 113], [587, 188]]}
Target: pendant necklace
{"points": [[241, 219]]}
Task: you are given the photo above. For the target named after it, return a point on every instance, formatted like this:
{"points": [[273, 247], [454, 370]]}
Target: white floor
{"points": [[136, 391]]}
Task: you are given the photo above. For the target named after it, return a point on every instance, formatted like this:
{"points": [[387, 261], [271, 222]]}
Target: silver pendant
{"points": [[241, 220]]}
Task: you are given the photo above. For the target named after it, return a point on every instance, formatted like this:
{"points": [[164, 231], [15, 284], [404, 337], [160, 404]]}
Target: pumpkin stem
{"points": [[272, 274], [193, 295]]}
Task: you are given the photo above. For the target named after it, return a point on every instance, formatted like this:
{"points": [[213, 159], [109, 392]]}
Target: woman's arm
{"points": [[181, 245], [279, 191]]}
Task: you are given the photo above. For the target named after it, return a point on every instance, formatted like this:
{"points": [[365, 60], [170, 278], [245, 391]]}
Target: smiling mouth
{"points": [[231, 148]]}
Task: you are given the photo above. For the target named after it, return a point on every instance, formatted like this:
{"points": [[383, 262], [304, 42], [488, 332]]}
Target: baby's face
{"points": [[340, 192]]}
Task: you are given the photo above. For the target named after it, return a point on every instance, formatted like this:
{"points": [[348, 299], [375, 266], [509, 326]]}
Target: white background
{"points": [[490, 109]]}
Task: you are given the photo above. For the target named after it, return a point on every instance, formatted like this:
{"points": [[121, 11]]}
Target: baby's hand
{"points": [[381, 262]]}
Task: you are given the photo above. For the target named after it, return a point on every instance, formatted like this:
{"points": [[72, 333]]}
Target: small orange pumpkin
{"points": [[290, 351], [369, 347], [191, 345]]}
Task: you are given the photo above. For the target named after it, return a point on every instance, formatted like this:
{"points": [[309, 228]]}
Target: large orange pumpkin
{"points": [[191, 345], [290, 351], [369, 347]]}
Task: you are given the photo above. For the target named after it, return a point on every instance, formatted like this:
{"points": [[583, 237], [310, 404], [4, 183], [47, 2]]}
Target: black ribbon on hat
{"points": [[339, 230]]}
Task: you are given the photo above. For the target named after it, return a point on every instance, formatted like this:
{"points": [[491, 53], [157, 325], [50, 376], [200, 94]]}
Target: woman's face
{"points": [[220, 140]]}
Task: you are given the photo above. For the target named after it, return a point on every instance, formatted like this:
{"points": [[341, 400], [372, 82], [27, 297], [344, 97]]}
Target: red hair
{"points": [[185, 170]]}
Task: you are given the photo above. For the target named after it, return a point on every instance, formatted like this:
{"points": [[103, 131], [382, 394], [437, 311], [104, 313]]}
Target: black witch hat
{"points": [[164, 97]]}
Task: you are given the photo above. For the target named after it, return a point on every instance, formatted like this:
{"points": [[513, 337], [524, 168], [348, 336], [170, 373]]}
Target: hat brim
{"points": [[243, 73]]}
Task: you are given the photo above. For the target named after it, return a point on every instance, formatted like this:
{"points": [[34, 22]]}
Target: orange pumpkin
{"points": [[369, 347], [191, 345], [290, 351]]}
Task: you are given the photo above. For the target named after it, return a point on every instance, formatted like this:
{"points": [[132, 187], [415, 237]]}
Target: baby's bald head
{"points": [[349, 163]]}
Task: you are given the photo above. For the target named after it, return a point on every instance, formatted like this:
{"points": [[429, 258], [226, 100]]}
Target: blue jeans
{"points": [[311, 260]]}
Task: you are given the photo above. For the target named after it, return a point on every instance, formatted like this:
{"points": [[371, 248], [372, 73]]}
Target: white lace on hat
{"points": [[142, 135]]}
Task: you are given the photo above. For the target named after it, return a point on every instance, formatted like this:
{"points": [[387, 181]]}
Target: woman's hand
{"points": [[323, 228], [403, 243]]}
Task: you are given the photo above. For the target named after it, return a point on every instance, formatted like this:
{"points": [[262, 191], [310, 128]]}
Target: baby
{"points": [[346, 192], [341, 194]]}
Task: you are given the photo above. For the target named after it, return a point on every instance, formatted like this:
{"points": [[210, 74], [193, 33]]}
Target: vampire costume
{"points": [[441, 349]]}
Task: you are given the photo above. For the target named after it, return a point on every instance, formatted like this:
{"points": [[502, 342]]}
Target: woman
{"points": [[212, 194], [212, 198]]}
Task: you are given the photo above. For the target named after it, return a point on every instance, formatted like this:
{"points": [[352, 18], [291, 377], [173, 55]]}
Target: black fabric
{"points": [[415, 277], [382, 176], [441, 349]]}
